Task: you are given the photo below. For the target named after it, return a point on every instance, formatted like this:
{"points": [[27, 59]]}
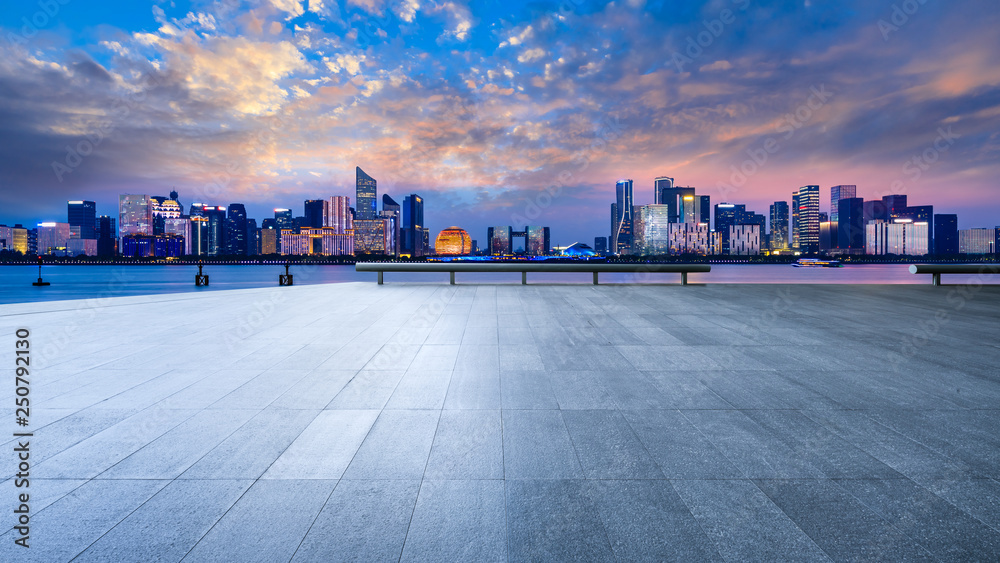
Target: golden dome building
{"points": [[453, 241]]}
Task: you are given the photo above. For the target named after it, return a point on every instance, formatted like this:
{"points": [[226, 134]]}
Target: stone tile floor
{"points": [[499, 422]]}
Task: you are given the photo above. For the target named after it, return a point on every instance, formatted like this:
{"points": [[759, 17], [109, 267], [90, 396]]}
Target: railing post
{"points": [[380, 277], [684, 278], [595, 277], [452, 278], [936, 279], [524, 278]]}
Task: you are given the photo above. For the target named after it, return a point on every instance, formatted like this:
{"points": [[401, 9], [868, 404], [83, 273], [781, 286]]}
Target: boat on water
{"points": [[816, 263]]}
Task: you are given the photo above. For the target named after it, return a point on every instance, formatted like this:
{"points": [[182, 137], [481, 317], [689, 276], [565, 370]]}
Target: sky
{"points": [[498, 112]]}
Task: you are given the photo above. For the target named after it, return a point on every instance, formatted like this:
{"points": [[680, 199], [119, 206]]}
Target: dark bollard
{"points": [[285, 279], [199, 278], [40, 283]]}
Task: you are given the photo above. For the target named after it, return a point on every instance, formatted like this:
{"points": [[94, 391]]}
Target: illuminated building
{"points": [[977, 241], [779, 226], [269, 241], [499, 240], [283, 220], [692, 238], [215, 229], [253, 237], [199, 234], [392, 211], [744, 240], [453, 241], [82, 219], [827, 236], [180, 226], [320, 240], [414, 236], [652, 230], [367, 192], [536, 240], [135, 215], [601, 245], [372, 236], [838, 193], [164, 208], [576, 250], [671, 196], [145, 246], [337, 214], [78, 246], [622, 233], [807, 225], [14, 239], [727, 215], [236, 230], [661, 183], [52, 238], [945, 234], [903, 238]]}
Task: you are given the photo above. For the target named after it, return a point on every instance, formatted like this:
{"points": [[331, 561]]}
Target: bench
{"points": [[534, 267], [937, 269]]}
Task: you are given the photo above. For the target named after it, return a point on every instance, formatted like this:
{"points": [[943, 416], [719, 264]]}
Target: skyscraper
{"points": [[808, 218], [624, 220], [499, 240], [337, 214], [216, 236], [659, 184], [366, 195], [82, 219], [838, 193], [314, 213], [164, 208], [253, 238], [851, 225], [945, 234], [652, 230], [779, 225], [107, 236], [536, 241], [413, 230], [283, 219], [392, 211], [135, 215], [727, 215], [236, 230]]}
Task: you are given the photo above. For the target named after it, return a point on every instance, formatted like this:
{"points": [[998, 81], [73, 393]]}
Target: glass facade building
{"points": [[453, 241], [82, 219], [779, 226], [366, 195], [744, 240], [135, 215], [838, 193], [807, 204], [977, 241], [945, 234], [652, 230], [622, 235]]}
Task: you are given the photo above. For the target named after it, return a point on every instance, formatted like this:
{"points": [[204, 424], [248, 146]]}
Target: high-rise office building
{"points": [[536, 241], [414, 235], [659, 184], [372, 236], [727, 215], [321, 240], [977, 241], [624, 221], [838, 193], [499, 240], [901, 238], [199, 230], [283, 220], [744, 240], [253, 238], [164, 208], [945, 234], [107, 236], [693, 238], [216, 235], [779, 226], [269, 238], [236, 230], [850, 225], [795, 221], [313, 213], [808, 218], [366, 195], [652, 230], [82, 219], [894, 205], [672, 197], [180, 226], [135, 215], [52, 238], [393, 212], [875, 211], [601, 245], [337, 214]]}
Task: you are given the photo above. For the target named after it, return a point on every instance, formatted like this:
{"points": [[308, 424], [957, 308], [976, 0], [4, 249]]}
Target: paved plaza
{"points": [[428, 422]]}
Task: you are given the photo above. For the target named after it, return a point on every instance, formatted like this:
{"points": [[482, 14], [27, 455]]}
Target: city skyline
{"points": [[275, 102]]}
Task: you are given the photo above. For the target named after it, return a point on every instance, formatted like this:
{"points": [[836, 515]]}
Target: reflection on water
{"points": [[81, 282]]}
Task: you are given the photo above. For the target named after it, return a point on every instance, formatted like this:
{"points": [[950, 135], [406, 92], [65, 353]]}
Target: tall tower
{"points": [[366, 195], [625, 220], [659, 184], [313, 212], [808, 218], [82, 219], [779, 225], [838, 193], [337, 214], [236, 230], [412, 234]]}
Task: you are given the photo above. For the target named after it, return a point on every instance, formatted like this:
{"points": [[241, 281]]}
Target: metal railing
{"points": [[524, 268]]}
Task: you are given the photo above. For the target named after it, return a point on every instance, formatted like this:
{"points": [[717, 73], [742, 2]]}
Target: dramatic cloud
{"points": [[489, 110]]}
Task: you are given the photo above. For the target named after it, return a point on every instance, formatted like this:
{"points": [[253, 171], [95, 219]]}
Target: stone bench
{"points": [[534, 267]]}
